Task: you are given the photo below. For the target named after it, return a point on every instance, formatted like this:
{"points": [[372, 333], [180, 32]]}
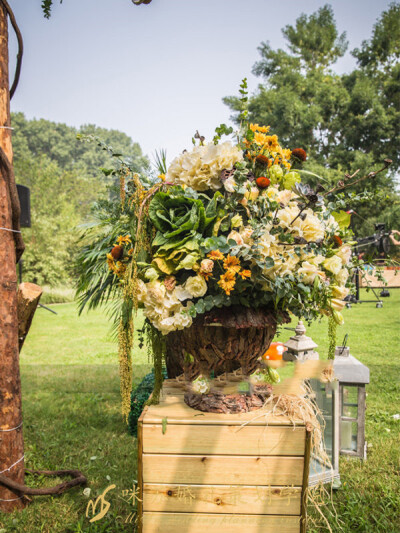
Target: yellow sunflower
{"points": [[227, 282], [216, 255], [232, 264]]}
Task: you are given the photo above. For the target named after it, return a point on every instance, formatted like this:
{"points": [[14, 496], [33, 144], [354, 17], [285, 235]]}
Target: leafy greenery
{"points": [[344, 122]]}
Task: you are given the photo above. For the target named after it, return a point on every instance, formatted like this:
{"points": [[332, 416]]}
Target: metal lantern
{"points": [[352, 376], [300, 347]]}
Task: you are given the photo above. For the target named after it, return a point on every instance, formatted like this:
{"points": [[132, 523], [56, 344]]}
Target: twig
{"points": [[342, 186]]}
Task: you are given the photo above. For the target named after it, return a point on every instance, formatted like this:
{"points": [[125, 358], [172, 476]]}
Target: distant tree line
{"points": [[63, 175]]}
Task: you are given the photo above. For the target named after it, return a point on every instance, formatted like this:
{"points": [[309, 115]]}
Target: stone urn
{"points": [[219, 342]]}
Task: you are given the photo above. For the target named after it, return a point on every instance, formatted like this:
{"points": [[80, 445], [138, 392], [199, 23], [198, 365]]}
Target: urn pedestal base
{"points": [[220, 473]]}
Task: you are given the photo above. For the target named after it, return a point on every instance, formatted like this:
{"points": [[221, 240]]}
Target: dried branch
{"points": [[342, 185], [78, 479]]}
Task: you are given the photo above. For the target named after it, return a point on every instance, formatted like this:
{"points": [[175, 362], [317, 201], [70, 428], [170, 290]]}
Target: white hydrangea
{"points": [[200, 168]]}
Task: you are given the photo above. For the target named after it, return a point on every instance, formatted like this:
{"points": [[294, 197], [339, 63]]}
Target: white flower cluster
{"points": [[200, 169], [307, 265], [164, 307]]}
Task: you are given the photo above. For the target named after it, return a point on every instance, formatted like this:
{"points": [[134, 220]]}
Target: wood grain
{"points": [[224, 440], [222, 470], [214, 523], [223, 499]]}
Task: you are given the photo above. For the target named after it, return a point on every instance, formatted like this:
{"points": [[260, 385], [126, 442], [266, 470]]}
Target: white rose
{"points": [[155, 291], [181, 293], [229, 184], [311, 227], [333, 264], [285, 196], [340, 292], [308, 272], [234, 235], [246, 233], [196, 286], [207, 265], [342, 276], [344, 253]]}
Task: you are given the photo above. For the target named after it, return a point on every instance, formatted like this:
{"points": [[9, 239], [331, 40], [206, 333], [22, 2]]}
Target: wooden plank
{"points": [[222, 499], [222, 470], [223, 440], [177, 412], [214, 523]]}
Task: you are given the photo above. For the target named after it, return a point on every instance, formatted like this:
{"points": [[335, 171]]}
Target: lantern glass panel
{"points": [[348, 436], [349, 401], [319, 470]]}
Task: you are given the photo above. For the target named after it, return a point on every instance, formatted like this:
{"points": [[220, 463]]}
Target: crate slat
{"points": [[222, 499], [223, 440], [173, 408], [222, 469], [214, 523]]}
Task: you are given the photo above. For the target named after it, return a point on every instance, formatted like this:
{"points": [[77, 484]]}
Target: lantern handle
{"points": [[344, 343]]}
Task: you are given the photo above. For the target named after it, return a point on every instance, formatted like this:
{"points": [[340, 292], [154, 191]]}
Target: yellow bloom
{"points": [[124, 240], [271, 143], [110, 262], [262, 129], [162, 177], [245, 274], [227, 282], [232, 264], [260, 138], [216, 255]]}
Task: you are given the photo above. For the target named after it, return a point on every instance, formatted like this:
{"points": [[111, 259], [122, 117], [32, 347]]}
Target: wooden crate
{"points": [[215, 473]]}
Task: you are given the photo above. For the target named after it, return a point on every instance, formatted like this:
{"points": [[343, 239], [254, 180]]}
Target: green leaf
{"points": [[342, 218], [164, 423]]}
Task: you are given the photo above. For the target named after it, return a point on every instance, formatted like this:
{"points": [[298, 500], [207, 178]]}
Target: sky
{"points": [[157, 72]]}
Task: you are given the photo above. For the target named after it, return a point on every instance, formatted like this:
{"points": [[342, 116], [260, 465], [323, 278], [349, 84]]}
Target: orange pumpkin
{"points": [[275, 352]]}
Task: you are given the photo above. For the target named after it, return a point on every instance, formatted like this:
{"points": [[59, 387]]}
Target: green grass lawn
{"points": [[72, 419]]}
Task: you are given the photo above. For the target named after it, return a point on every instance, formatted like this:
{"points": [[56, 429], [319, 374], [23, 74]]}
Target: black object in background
{"points": [[24, 195]]}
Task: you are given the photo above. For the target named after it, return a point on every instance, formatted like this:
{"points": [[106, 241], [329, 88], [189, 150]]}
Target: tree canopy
{"points": [[345, 122]]}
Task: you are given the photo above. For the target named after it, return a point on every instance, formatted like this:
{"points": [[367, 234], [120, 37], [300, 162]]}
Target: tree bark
{"points": [[28, 298], [11, 442]]}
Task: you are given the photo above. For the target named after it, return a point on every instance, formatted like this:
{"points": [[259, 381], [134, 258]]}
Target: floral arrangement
{"points": [[232, 223], [227, 223]]}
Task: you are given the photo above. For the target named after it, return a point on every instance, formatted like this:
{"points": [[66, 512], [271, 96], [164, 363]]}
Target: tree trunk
{"points": [[11, 442]]}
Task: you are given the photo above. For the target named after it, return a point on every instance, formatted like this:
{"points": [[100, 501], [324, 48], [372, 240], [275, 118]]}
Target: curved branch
{"points": [[20, 47], [78, 479]]}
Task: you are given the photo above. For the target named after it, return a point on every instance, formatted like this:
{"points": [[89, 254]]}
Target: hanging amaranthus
{"points": [[332, 328], [139, 202]]}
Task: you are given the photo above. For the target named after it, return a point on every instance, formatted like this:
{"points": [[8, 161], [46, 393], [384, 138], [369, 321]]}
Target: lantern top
{"points": [[300, 342], [350, 370]]}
